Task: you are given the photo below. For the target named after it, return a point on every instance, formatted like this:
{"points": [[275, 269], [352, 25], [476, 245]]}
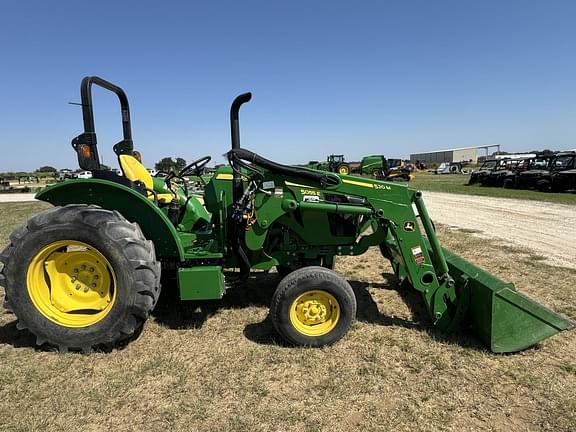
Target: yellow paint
{"points": [[357, 183], [343, 169], [381, 187], [298, 185], [134, 171], [315, 313], [71, 283], [224, 176], [309, 192]]}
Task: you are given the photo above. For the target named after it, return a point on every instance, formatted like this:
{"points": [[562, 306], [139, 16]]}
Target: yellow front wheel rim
{"points": [[343, 170], [315, 313], [71, 283]]}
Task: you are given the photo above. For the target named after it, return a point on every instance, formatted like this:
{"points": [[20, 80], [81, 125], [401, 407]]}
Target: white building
{"points": [[463, 154]]}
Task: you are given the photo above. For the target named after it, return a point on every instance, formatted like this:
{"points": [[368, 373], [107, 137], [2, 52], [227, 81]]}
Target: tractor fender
{"points": [[134, 206]]}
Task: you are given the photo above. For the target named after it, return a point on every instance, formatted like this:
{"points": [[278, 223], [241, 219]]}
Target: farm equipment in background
{"points": [[85, 274], [503, 169], [398, 170], [376, 166], [449, 168], [485, 169], [565, 179], [336, 163], [547, 173], [527, 171]]}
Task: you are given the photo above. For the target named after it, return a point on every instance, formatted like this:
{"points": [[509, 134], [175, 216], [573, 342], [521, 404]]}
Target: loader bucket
{"points": [[504, 319]]}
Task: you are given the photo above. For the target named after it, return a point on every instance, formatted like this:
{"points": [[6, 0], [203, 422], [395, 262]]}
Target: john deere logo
{"points": [[409, 226]]}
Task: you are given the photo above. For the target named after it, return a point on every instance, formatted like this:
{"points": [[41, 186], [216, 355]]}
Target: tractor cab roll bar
{"points": [[85, 144]]}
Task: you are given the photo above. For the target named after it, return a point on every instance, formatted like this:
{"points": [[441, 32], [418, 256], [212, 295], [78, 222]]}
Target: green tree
{"points": [[46, 168], [168, 164], [180, 163]]}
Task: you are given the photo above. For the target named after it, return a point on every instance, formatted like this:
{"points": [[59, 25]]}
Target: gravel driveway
{"points": [[547, 229], [16, 197]]}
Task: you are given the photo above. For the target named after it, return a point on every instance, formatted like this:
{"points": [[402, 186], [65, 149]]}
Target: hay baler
{"points": [[85, 274]]}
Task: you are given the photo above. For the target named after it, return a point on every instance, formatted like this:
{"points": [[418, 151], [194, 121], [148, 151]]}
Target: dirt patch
{"points": [[547, 229]]}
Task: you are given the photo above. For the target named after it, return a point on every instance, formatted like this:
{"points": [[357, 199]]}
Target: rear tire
{"points": [[36, 277], [313, 306], [344, 169]]}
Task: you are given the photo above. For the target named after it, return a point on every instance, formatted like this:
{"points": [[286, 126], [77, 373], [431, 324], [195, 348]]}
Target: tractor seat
{"points": [[134, 171]]}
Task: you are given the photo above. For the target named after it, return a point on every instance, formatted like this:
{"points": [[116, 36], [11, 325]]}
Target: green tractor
{"points": [[85, 274], [336, 163]]}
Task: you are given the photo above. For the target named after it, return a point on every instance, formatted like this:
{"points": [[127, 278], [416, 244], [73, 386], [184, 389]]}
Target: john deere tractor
{"points": [[336, 163], [85, 274]]}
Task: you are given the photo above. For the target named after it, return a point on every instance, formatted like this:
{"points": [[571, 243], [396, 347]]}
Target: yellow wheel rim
{"points": [[343, 170], [71, 284], [315, 313]]}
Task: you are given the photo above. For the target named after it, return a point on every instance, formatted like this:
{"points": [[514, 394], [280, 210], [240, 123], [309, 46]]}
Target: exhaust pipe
{"points": [[237, 186], [237, 189]]}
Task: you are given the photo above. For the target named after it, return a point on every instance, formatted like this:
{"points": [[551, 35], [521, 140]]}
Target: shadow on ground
{"points": [[258, 291], [9, 334]]}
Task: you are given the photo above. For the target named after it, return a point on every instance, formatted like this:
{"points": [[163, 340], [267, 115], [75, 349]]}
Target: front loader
{"points": [[85, 274]]}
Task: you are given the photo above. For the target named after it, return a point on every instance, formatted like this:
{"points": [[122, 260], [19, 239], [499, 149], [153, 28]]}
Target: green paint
{"points": [[131, 204], [201, 283]]}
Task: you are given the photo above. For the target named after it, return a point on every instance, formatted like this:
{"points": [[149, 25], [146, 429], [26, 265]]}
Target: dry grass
{"points": [[220, 367]]}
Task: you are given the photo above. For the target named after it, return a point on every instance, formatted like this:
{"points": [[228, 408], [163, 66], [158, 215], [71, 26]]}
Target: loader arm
{"points": [[456, 293], [387, 209]]}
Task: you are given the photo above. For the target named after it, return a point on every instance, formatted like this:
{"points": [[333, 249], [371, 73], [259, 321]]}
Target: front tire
{"points": [[80, 278], [313, 306]]}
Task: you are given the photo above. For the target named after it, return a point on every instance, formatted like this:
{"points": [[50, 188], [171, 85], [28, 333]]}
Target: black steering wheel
{"points": [[195, 168]]}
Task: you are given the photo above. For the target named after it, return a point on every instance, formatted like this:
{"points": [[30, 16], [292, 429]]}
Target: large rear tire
{"points": [[313, 306], [80, 278], [344, 169]]}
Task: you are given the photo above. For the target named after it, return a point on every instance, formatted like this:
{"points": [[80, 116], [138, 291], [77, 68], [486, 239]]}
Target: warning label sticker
{"points": [[418, 255]]}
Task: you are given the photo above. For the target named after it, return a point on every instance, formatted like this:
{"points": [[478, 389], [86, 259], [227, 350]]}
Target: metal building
{"points": [[468, 154]]}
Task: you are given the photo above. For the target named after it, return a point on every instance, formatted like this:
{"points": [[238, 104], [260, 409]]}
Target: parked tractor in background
{"points": [[86, 273], [336, 163], [376, 166]]}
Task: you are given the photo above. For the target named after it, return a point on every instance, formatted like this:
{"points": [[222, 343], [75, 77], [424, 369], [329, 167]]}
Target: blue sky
{"points": [[357, 78]]}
